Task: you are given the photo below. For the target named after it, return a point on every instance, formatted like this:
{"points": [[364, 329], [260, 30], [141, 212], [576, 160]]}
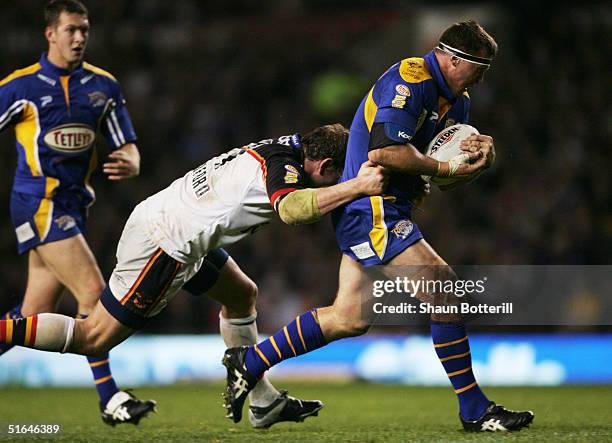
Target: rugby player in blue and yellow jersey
{"points": [[408, 105], [59, 106]]}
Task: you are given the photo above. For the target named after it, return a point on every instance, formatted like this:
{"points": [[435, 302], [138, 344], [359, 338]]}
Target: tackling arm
{"points": [[309, 205]]}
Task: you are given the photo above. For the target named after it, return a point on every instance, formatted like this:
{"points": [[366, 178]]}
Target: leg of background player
{"points": [[42, 293], [73, 263]]}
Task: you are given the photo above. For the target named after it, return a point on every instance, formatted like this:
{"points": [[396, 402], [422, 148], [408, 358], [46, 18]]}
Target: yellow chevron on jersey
{"points": [[20, 73], [99, 71], [414, 70], [26, 133], [369, 110]]}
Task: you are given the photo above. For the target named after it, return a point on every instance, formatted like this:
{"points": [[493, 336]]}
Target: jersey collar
{"points": [[296, 143], [436, 73], [50, 68]]}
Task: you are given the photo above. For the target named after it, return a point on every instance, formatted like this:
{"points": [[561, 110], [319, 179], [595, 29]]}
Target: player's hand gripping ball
{"points": [[446, 147]]}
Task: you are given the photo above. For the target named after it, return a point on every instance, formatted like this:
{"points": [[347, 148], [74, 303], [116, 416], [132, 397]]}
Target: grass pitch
{"points": [[356, 412]]}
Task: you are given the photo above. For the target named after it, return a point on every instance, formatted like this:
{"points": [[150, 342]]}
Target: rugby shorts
{"points": [[373, 230], [39, 220], [145, 278]]}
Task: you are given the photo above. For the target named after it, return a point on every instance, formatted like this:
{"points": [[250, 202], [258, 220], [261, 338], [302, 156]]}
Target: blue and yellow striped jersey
{"points": [[414, 102], [57, 115]]}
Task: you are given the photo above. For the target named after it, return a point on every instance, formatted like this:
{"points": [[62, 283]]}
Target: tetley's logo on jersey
{"points": [[71, 138]]}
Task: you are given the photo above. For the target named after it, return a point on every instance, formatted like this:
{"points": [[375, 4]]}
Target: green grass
{"points": [[354, 413]]}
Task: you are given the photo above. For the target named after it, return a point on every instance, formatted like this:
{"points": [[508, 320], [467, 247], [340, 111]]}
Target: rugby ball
{"points": [[446, 145]]}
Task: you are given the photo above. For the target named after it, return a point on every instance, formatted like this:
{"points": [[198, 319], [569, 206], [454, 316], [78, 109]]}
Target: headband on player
{"points": [[464, 55]]}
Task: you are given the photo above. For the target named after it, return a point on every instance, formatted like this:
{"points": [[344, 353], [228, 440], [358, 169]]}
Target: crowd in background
{"points": [[203, 77]]}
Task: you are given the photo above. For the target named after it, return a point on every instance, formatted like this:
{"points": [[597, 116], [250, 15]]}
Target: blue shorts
{"points": [[44, 220], [373, 230]]}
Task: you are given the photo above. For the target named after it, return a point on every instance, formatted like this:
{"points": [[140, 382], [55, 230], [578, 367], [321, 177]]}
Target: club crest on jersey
{"points": [[65, 222], [399, 101], [402, 229], [292, 168], [70, 138], [402, 90], [97, 98], [291, 177]]}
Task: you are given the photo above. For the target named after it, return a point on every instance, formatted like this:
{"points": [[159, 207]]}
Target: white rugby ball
{"points": [[446, 145]]}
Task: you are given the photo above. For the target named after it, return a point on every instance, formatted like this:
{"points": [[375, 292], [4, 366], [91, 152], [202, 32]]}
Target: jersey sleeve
{"points": [[283, 175], [11, 106], [116, 124], [400, 105]]}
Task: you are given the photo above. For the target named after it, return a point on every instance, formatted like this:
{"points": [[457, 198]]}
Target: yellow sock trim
{"points": [[450, 343], [98, 363], [103, 379], [289, 340], [299, 328], [275, 347], [461, 371], [261, 354], [470, 386], [452, 357]]}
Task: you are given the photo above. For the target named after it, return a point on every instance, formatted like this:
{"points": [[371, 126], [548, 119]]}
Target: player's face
{"points": [[68, 39], [474, 73], [320, 172], [466, 74], [328, 177]]}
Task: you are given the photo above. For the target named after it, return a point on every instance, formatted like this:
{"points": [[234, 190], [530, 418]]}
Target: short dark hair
{"points": [[54, 8], [327, 141], [470, 37]]}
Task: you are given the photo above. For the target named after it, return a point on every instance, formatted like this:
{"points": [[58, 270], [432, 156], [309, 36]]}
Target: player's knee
{"points": [[250, 293], [244, 300], [89, 339], [356, 328], [94, 289], [89, 295], [348, 323], [37, 307]]}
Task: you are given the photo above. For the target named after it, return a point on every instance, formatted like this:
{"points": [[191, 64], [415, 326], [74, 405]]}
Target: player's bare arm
{"points": [[408, 160], [123, 163], [309, 205]]}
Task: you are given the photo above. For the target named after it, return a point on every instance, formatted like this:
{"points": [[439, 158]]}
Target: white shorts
{"points": [[145, 278]]}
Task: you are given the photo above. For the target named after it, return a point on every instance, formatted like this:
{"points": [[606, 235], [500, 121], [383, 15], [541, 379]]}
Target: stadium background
{"points": [[202, 77]]}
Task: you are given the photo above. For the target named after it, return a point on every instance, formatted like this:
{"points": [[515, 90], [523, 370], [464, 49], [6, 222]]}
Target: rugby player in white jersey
{"points": [[174, 239]]}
